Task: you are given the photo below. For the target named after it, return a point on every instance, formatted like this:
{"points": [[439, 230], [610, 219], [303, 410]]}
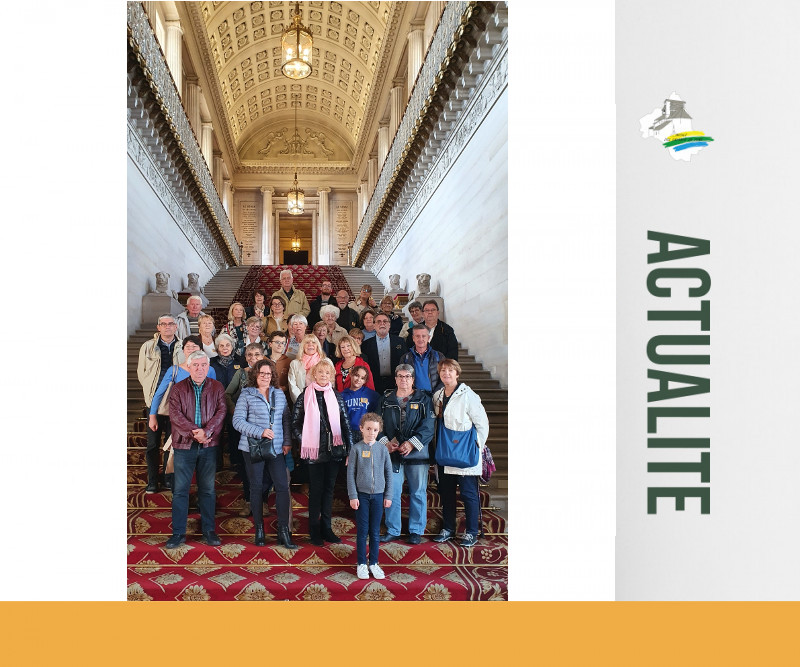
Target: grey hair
{"points": [[199, 354], [414, 304], [194, 296], [285, 271], [161, 317], [405, 367], [328, 308], [224, 336], [299, 318]]}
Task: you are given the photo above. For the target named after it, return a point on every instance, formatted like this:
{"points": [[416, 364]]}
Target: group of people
{"points": [[327, 385]]}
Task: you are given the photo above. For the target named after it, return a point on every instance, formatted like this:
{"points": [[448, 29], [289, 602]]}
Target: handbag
{"points": [[457, 449], [163, 407], [337, 451], [261, 449], [169, 467]]}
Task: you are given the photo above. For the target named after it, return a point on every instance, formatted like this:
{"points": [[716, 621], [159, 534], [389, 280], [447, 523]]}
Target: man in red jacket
{"points": [[197, 413]]}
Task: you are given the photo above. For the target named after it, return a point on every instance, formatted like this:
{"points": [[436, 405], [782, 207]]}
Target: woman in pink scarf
{"points": [[320, 424], [310, 354]]}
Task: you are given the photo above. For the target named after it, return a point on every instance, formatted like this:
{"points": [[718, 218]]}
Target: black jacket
{"points": [[348, 319], [419, 424], [299, 415], [444, 340], [369, 352], [316, 304]]}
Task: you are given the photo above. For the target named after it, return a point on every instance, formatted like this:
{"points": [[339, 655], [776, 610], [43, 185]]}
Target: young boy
{"points": [[369, 487], [358, 398]]}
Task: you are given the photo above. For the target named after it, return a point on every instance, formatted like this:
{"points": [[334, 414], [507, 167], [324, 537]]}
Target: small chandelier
{"points": [[296, 44], [295, 198], [296, 242]]}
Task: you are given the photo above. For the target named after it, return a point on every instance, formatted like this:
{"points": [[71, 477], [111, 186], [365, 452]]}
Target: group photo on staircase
{"points": [[317, 376]]}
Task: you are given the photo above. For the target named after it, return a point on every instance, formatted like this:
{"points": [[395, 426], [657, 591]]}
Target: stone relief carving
{"points": [[272, 138], [320, 138], [295, 145]]}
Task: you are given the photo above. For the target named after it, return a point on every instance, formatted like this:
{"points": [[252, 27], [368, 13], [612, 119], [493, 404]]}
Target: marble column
{"points": [[192, 104], [432, 20], [363, 199], [266, 225], [207, 143], [416, 53], [372, 174], [383, 144], [174, 55], [217, 173], [396, 107], [324, 228], [226, 196]]}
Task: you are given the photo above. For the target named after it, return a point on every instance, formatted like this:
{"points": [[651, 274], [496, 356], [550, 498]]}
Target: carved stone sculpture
{"points": [[394, 285], [193, 287], [162, 283], [423, 286]]}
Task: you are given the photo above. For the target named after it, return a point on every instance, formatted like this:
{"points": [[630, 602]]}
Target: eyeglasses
{"points": [[428, 311], [167, 324], [265, 375], [404, 377]]}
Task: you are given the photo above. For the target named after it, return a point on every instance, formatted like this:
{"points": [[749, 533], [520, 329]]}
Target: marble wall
{"points": [[155, 243], [461, 239]]}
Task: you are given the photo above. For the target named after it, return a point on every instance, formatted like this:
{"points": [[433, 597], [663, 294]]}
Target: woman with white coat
{"points": [[461, 409]]}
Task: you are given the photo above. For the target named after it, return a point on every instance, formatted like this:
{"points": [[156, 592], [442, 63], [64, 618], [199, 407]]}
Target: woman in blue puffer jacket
{"points": [[252, 418]]}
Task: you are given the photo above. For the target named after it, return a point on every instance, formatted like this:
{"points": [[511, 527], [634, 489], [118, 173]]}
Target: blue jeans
{"points": [[469, 496], [186, 460], [417, 476], [368, 520]]}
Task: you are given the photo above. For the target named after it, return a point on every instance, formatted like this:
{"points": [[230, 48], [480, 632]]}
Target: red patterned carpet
{"points": [[238, 570]]}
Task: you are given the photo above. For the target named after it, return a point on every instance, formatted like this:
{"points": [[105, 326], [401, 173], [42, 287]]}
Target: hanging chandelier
{"points": [[296, 242], [296, 45], [295, 198]]}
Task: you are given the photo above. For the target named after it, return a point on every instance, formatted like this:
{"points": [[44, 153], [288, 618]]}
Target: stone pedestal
{"points": [[156, 304]]}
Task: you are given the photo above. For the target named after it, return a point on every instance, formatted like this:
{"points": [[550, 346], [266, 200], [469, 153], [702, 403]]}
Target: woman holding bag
{"points": [[459, 408], [261, 412], [321, 426]]}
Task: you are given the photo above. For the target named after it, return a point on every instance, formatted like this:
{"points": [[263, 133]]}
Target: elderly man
{"points": [[382, 353], [296, 301], [197, 411], [415, 310], [442, 336], [408, 426], [424, 359], [187, 321], [325, 298], [156, 356], [348, 318]]}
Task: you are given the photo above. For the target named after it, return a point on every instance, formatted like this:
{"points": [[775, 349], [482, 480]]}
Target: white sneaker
{"points": [[376, 571], [362, 571]]}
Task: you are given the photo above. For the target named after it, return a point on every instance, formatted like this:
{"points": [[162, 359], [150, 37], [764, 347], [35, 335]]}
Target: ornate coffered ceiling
{"points": [[239, 45]]}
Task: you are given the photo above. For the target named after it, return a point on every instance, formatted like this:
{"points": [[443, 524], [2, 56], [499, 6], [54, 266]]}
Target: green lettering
{"points": [[680, 494], [703, 315], [695, 247], [654, 413], [663, 272], [678, 443], [697, 385], [703, 467]]}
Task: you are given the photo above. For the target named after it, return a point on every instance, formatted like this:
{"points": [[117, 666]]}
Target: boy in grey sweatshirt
{"points": [[369, 487]]}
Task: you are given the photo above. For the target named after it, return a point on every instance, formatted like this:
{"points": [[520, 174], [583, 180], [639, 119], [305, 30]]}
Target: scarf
{"points": [[309, 361], [225, 361], [309, 446]]}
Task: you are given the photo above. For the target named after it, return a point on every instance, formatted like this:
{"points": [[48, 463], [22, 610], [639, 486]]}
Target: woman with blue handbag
{"points": [[461, 433]]}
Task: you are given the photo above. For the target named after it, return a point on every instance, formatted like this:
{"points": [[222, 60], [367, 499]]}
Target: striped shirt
{"points": [[198, 390]]}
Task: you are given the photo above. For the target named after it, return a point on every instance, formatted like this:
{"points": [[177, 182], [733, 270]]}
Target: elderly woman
{"points": [[348, 351], [395, 321], [254, 329], [363, 300], [459, 408], [226, 364], [276, 320], [259, 307], [320, 330], [298, 368], [357, 335], [298, 325], [320, 424], [329, 314], [252, 354], [262, 412], [408, 425], [368, 323], [205, 325], [235, 327]]}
